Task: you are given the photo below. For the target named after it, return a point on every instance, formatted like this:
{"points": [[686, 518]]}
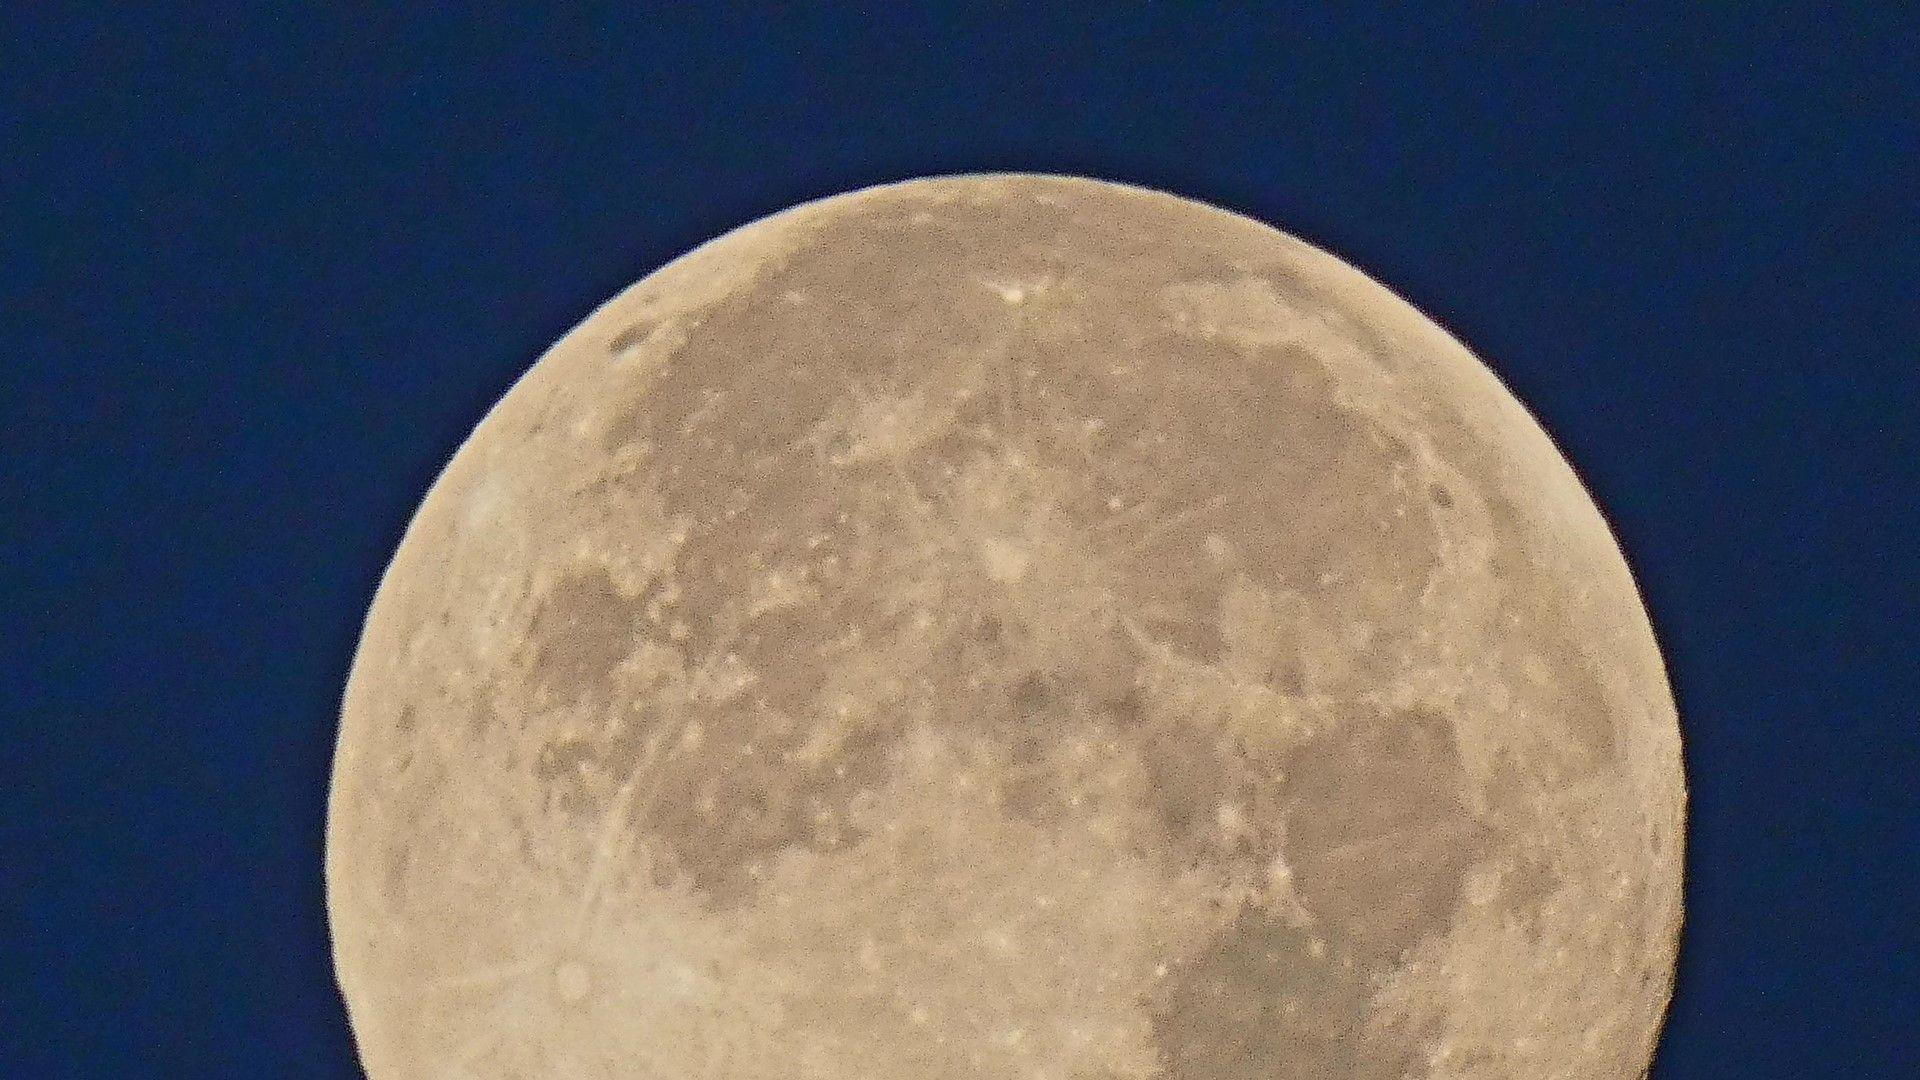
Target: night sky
{"points": [[260, 273]]}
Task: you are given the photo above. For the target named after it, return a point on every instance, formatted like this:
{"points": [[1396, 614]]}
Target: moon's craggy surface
{"points": [[1006, 627]]}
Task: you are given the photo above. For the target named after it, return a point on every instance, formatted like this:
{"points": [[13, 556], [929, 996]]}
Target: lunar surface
{"points": [[1006, 627]]}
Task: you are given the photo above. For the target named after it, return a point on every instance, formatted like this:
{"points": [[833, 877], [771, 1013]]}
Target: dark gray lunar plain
{"points": [[1006, 627]]}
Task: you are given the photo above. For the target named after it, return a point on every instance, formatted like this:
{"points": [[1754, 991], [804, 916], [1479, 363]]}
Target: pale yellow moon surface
{"points": [[1006, 627]]}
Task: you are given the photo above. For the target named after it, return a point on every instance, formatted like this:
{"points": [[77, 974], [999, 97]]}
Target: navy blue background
{"points": [[262, 272]]}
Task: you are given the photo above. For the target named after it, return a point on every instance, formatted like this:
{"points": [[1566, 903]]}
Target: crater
{"points": [[629, 338], [572, 981], [1126, 709], [1583, 705], [581, 629], [1031, 695]]}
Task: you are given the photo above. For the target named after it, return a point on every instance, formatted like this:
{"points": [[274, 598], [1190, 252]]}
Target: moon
{"points": [[1006, 626]]}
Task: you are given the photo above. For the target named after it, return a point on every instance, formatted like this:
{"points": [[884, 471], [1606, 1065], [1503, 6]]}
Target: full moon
{"points": [[1006, 626]]}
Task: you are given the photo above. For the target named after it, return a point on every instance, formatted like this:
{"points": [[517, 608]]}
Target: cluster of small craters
{"points": [[1012, 629]]}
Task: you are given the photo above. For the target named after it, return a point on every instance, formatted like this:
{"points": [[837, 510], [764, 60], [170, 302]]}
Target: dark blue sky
{"points": [[262, 271]]}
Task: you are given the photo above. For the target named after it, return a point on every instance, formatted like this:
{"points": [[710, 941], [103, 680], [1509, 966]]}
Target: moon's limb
{"points": [[1006, 626]]}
